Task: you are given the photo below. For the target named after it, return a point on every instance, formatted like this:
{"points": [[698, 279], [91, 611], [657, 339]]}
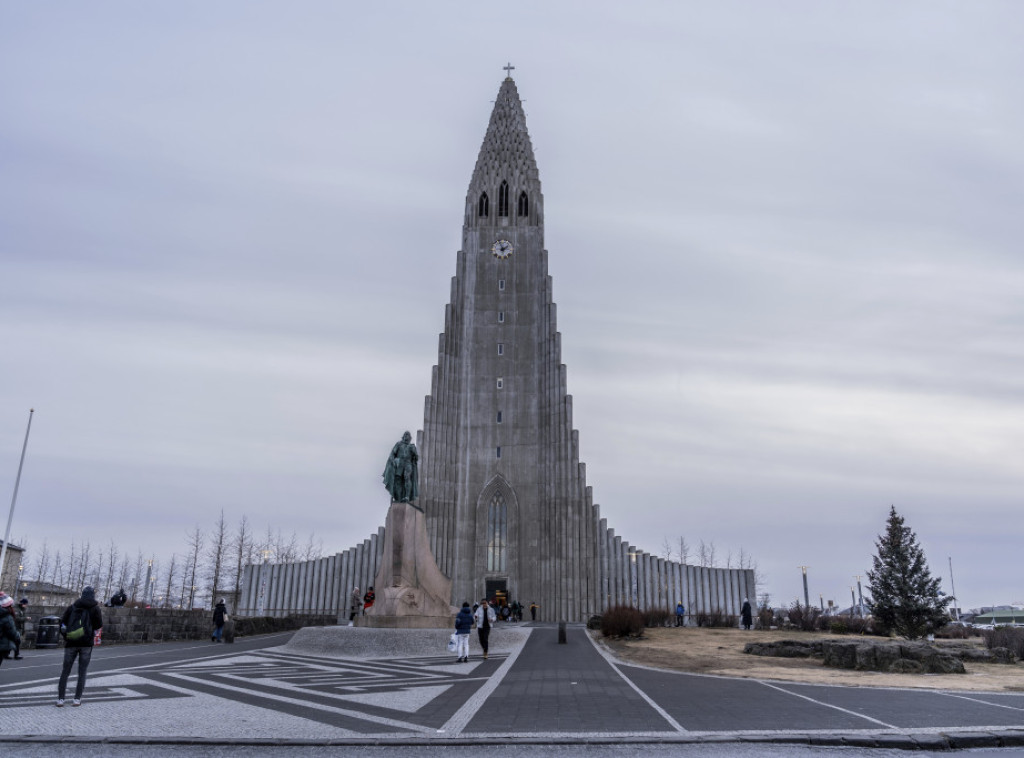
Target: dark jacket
{"points": [[9, 636], [464, 621], [219, 613], [20, 616], [95, 618]]}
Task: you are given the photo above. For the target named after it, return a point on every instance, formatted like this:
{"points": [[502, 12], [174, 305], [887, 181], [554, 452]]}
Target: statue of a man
{"points": [[401, 472]]}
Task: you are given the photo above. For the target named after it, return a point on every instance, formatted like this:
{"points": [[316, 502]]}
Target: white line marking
{"points": [[827, 705], [464, 715], [615, 667]]}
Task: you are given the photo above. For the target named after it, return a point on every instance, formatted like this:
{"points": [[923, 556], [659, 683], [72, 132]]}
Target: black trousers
{"points": [[84, 655], [484, 634]]}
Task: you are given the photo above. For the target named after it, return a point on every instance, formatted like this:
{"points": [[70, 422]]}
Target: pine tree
{"points": [[904, 597]]}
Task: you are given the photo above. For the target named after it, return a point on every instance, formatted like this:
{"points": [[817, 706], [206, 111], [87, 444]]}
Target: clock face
{"points": [[501, 249]]}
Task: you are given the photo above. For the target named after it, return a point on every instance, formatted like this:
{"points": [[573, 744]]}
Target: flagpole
{"points": [[14, 499]]}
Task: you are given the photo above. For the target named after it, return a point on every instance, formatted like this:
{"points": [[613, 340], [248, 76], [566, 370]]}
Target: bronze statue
{"points": [[401, 472]]}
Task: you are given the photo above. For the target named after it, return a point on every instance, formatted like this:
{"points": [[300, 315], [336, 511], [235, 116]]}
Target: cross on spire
{"points": [[508, 68]]}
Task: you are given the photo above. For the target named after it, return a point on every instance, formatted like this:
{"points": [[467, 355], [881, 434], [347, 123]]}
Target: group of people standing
{"points": [[81, 626], [359, 604]]}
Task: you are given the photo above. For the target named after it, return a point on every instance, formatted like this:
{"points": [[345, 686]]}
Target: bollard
{"points": [[561, 632]]}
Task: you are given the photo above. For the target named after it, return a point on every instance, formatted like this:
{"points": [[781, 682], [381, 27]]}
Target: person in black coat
{"points": [[80, 648], [9, 637], [118, 599], [220, 616], [746, 614]]}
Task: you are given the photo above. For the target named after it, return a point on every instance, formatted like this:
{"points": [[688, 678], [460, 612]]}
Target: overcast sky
{"points": [[785, 241]]}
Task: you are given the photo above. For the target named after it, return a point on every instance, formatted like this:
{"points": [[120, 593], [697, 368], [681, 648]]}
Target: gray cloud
{"points": [[784, 242]]}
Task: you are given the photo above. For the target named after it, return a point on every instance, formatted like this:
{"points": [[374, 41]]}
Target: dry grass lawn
{"points": [[720, 652]]}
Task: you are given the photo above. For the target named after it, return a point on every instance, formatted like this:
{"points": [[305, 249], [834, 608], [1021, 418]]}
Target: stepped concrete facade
{"points": [[507, 504]]}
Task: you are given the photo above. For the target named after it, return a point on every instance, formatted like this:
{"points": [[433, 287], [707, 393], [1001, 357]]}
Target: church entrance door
{"points": [[497, 590]]}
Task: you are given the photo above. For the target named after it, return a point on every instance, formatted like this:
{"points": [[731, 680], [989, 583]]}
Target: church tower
{"points": [[505, 495], [507, 504]]}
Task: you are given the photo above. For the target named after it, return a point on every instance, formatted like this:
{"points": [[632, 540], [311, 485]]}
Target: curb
{"points": [[910, 741]]}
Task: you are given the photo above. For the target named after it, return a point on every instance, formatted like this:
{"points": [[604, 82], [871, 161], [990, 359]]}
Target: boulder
{"points": [[784, 648]]}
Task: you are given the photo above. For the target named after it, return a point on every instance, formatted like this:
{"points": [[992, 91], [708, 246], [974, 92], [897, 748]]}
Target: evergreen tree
{"points": [[904, 597]]}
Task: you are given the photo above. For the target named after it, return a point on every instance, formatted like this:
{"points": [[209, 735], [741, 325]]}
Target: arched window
{"points": [[483, 207], [503, 199], [497, 533], [524, 204]]}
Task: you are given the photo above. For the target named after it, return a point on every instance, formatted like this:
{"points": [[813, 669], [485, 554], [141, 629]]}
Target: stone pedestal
{"points": [[412, 592]]}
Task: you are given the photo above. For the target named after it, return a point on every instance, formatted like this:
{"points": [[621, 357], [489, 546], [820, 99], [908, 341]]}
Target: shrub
{"points": [[803, 617], [658, 617], [622, 621], [765, 617], [839, 626], [1010, 637]]}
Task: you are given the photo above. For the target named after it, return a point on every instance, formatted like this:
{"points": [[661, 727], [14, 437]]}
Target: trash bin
{"points": [[48, 631], [229, 631]]}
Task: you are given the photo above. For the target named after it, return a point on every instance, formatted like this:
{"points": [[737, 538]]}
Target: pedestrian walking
{"points": [[463, 623], [680, 614], [9, 637], [20, 612], [220, 617], [355, 605], [533, 611], [484, 618], [746, 614], [81, 624]]}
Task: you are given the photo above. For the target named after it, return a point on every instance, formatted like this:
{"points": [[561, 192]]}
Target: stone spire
{"points": [[506, 155]]}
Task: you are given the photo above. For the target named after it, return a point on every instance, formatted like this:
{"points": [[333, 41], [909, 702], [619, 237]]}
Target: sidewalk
{"points": [[353, 686]]}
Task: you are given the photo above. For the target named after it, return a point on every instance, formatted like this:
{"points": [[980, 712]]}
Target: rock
{"points": [[784, 649], [840, 655], [906, 666]]}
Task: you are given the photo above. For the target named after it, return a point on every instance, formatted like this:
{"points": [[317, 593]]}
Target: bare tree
{"points": [[243, 548], [706, 554], [111, 569], [216, 557], [43, 563], [172, 571], [313, 549], [194, 540], [136, 577], [683, 550], [666, 548]]}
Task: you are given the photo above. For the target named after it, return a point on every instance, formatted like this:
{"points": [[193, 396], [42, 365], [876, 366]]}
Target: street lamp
{"points": [[860, 597], [807, 597]]}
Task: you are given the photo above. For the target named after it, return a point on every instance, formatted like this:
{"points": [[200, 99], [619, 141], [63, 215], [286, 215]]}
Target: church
{"points": [[508, 509]]}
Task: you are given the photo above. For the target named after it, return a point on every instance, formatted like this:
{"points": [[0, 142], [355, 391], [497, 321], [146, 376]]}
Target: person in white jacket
{"points": [[484, 619]]}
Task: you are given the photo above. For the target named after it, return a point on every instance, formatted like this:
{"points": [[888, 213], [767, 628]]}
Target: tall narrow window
{"points": [[501, 284], [497, 531], [498, 454], [503, 199], [501, 317], [501, 349], [499, 417], [524, 204], [501, 382], [483, 208]]}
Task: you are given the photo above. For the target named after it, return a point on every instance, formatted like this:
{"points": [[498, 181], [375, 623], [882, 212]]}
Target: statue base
{"points": [[412, 593]]}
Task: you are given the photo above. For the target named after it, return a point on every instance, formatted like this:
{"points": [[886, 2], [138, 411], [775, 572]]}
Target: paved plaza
{"points": [[341, 685]]}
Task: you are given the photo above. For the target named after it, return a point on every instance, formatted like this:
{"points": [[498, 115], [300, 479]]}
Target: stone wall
{"points": [[139, 625]]}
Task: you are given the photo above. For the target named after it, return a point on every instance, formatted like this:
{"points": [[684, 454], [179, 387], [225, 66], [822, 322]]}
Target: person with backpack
{"points": [[9, 637], [81, 625]]}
